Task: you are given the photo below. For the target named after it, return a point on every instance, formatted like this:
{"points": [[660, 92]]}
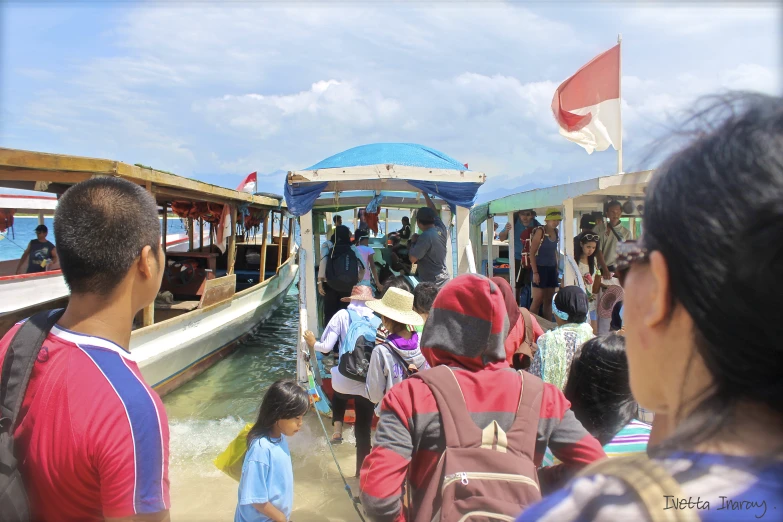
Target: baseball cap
{"points": [[587, 221]]}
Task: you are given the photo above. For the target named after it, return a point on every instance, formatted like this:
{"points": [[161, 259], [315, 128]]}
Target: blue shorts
{"points": [[548, 277]]}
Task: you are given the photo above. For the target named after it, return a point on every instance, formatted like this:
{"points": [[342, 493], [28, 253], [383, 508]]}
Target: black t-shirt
{"points": [[405, 232], [40, 256]]}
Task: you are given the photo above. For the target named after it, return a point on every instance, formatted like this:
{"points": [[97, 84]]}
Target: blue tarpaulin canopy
{"points": [[301, 196]]}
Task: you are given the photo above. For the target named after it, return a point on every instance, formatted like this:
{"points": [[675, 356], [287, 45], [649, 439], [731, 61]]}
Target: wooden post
{"points": [[262, 276], [291, 237], [280, 242], [355, 218], [311, 304], [512, 265], [490, 246], [232, 242], [446, 217], [148, 315], [165, 225], [200, 235], [40, 218], [386, 223], [190, 234], [567, 239], [462, 233], [211, 236]]}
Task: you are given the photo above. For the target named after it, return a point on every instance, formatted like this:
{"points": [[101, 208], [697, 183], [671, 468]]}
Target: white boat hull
{"points": [[174, 351]]}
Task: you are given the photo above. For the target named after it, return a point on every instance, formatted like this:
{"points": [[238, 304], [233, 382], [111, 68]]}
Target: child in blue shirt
{"points": [[266, 489]]}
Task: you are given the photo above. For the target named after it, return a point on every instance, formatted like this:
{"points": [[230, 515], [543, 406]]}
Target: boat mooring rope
{"points": [[354, 500]]}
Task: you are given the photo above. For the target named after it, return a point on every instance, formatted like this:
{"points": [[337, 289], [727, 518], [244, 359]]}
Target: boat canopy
{"points": [[395, 172], [573, 199]]}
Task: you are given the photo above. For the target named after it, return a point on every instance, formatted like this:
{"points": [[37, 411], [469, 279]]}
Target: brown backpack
{"points": [[528, 348], [482, 475]]}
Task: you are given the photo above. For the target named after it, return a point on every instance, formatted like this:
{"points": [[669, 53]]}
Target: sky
{"points": [[215, 91]]}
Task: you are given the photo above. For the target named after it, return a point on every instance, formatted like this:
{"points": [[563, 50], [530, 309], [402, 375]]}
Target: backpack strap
{"points": [[651, 483], [459, 429], [523, 433], [18, 364]]}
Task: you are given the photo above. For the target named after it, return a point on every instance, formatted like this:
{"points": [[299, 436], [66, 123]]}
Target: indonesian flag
{"points": [[587, 105], [250, 184]]}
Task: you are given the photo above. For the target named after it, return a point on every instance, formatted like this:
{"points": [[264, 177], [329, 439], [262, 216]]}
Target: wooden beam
{"points": [[190, 234], [232, 242], [165, 225], [148, 316], [512, 265], [61, 168], [490, 244], [462, 234], [386, 172], [264, 235], [280, 243]]}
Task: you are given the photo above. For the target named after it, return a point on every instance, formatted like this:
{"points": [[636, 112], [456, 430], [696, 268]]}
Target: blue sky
{"points": [[214, 92]]}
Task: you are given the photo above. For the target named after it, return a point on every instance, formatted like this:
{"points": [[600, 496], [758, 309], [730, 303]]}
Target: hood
{"points": [[467, 326]]}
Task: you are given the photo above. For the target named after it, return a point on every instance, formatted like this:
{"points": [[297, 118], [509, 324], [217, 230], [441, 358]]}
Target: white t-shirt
{"points": [[584, 270], [366, 254]]}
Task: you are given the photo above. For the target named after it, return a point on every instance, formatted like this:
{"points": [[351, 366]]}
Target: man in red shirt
{"points": [[466, 331], [92, 437]]}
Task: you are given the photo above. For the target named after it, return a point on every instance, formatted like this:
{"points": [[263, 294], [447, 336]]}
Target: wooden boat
{"points": [[353, 179], [208, 308]]}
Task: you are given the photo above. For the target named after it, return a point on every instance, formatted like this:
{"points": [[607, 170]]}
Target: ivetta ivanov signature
{"points": [[758, 509]]}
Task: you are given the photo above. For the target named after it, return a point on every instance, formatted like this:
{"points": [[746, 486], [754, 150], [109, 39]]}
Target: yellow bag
{"points": [[231, 460]]}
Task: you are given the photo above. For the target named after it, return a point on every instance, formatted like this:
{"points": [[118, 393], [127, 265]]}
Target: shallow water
{"points": [[208, 412]]}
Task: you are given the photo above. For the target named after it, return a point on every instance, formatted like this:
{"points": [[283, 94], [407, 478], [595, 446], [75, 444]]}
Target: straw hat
{"points": [[359, 293], [397, 305]]}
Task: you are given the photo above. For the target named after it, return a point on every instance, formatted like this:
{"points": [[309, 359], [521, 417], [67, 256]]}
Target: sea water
{"points": [[209, 411]]}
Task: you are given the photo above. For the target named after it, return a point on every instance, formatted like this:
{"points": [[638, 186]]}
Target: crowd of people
{"points": [[481, 413]]}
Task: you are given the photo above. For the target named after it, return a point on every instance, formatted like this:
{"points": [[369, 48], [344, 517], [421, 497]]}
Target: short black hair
{"points": [[426, 216], [423, 296], [336, 218], [102, 225], [406, 219], [397, 282], [614, 203], [41, 228], [598, 387]]}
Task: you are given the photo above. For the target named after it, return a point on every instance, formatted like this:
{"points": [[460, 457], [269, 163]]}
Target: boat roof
{"points": [[54, 173], [396, 171], [587, 195], [20, 202]]}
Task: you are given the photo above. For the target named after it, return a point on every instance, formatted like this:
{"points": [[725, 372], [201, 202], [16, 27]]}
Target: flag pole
{"points": [[620, 80]]}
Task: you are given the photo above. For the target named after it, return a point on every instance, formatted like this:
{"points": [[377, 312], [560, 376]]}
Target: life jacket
{"points": [[356, 348], [483, 474]]}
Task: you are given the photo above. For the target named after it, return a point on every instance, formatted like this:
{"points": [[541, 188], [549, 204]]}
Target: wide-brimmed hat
{"points": [[397, 305], [553, 214], [359, 293]]}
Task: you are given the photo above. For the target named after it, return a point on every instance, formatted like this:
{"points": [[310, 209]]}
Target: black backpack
{"points": [[342, 273], [17, 367]]}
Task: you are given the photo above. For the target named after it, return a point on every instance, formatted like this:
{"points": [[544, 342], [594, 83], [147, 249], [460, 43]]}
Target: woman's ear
{"points": [[659, 292]]}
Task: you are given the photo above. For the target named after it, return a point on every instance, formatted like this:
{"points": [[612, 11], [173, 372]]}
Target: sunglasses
{"points": [[590, 237], [628, 253]]}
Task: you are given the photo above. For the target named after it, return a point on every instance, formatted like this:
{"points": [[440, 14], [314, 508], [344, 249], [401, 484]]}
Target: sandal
{"points": [[337, 439]]}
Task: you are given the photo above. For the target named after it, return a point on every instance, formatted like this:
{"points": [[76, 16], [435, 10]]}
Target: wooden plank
{"points": [[200, 234], [490, 243], [262, 276], [280, 243], [218, 290], [387, 171], [462, 233], [232, 242], [14, 174]]}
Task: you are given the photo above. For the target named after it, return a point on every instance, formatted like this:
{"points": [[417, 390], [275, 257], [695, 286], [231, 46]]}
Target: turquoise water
{"points": [[208, 412]]}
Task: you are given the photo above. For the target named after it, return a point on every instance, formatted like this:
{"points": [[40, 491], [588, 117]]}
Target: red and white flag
{"points": [[587, 105], [250, 185]]}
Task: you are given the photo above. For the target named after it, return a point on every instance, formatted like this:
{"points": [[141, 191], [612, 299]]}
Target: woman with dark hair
{"points": [[556, 347], [585, 255], [689, 298], [333, 297], [518, 355]]}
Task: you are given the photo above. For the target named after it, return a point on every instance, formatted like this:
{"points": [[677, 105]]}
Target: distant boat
{"points": [[209, 301]]}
